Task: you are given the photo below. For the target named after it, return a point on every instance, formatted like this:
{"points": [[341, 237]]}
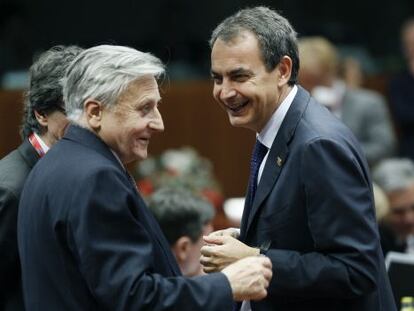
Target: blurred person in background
{"points": [[396, 177], [184, 218], [401, 94], [44, 122], [382, 206], [364, 111], [351, 72]]}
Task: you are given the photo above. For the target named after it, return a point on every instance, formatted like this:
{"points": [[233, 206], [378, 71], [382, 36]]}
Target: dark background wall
{"points": [[178, 30]]}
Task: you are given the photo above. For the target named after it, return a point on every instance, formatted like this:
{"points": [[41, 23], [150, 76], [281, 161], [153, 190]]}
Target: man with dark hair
{"points": [[309, 205], [184, 218], [43, 124]]}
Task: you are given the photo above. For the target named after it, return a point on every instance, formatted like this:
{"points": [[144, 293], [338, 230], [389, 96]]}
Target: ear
{"points": [[41, 118], [285, 70], [181, 248], [93, 112]]}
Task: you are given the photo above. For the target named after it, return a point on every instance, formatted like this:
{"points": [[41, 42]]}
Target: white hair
{"points": [[103, 72], [394, 174]]}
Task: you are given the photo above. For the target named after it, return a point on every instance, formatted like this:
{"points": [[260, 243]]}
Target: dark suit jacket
{"points": [[88, 242], [14, 169], [313, 216]]}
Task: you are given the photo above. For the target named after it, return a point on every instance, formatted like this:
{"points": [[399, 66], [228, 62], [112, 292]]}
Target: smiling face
{"points": [[128, 127], [242, 85]]}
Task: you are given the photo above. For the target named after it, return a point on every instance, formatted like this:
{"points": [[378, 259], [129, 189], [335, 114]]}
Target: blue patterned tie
{"points": [[259, 153]]}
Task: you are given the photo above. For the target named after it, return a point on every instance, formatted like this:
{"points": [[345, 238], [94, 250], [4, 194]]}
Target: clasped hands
{"points": [[222, 249], [249, 275]]}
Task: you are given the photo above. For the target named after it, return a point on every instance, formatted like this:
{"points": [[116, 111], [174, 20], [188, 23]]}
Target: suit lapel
{"points": [[278, 153], [154, 228]]}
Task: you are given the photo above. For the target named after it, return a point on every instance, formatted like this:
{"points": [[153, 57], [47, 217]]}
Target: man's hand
{"points": [[249, 278], [222, 251]]}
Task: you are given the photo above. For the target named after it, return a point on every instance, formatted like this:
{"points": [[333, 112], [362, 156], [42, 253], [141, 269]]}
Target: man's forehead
{"points": [[236, 37], [402, 197], [242, 53], [146, 86]]}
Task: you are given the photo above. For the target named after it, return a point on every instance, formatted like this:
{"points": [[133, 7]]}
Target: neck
{"points": [[283, 94]]}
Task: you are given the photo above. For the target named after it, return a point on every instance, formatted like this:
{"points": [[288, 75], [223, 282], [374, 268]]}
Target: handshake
{"points": [[249, 273]]}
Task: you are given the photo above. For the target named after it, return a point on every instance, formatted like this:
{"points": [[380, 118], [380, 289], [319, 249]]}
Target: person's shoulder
{"points": [[318, 121], [10, 159], [13, 172], [318, 124], [363, 96]]}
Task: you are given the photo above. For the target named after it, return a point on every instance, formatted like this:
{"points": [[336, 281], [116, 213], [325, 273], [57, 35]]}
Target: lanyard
{"points": [[36, 144]]}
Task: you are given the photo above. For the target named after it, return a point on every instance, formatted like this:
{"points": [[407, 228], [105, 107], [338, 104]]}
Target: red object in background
{"points": [[214, 197], [145, 187], [220, 220]]}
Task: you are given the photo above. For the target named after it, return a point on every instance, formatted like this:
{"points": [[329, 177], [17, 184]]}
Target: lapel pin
{"points": [[279, 161]]}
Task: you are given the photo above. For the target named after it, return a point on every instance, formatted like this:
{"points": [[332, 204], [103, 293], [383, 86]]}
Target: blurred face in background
{"points": [[190, 263], [408, 44], [401, 214]]}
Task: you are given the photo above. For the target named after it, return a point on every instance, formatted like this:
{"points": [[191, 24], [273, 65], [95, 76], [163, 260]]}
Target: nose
{"points": [[225, 91], [157, 124]]}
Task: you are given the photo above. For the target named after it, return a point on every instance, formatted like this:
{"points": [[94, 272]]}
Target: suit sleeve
{"points": [[380, 141], [344, 262], [115, 255], [9, 258]]}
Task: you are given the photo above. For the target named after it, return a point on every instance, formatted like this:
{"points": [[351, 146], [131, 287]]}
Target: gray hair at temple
{"points": [[45, 89], [180, 212], [394, 174], [103, 72], [275, 35]]}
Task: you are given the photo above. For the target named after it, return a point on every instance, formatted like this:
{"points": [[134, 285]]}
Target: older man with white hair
{"points": [[86, 238]]}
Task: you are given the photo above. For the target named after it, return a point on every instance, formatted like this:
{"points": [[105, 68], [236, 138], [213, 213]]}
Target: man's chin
{"points": [[237, 121], [141, 155]]}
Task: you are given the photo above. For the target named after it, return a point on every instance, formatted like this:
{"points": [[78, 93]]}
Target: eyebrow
{"points": [[235, 72], [239, 71]]}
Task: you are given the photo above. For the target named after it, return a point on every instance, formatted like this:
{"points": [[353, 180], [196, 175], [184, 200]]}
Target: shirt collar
{"points": [[118, 158], [269, 132]]}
